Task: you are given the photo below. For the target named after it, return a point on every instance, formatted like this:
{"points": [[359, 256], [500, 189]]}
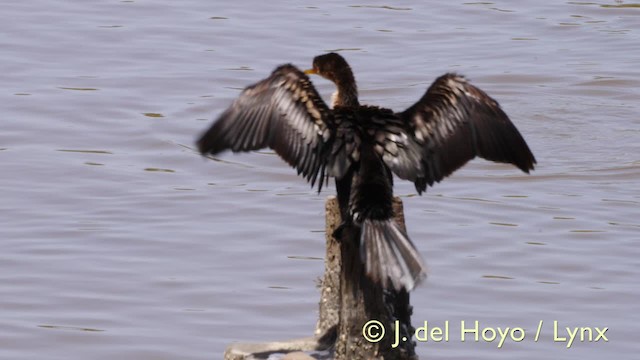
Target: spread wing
{"points": [[451, 124], [283, 112]]}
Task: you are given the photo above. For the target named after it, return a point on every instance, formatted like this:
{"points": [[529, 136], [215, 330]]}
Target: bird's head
{"points": [[332, 67]]}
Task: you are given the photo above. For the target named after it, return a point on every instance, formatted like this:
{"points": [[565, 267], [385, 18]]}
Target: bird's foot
{"points": [[340, 230]]}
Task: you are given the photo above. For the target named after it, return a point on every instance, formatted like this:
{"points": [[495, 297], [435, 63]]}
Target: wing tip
{"points": [[205, 145], [200, 145], [529, 162]]}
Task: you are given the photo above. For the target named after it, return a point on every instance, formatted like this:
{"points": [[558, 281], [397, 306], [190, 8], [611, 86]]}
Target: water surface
{"points": [[118, 240]]}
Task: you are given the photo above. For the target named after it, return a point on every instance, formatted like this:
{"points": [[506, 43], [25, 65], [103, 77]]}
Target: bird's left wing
{"points": [[451, 124], [283, 112]]}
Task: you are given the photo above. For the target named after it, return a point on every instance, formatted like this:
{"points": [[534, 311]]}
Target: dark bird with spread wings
{"points": [[361, 146]]}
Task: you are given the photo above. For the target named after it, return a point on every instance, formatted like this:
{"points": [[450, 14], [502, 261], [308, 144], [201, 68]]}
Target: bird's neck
{"points": [[347, 93]]}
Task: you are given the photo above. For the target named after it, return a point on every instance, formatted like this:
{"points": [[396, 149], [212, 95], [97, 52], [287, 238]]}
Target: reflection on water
{"points": [[118, 237]]}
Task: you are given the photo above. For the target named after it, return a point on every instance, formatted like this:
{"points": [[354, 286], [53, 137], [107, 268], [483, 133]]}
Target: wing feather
{"points": [[451, 124], [283, 112]]}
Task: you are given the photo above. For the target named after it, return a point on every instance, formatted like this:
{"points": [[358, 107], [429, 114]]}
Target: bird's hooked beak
{"points": [[310, 71]]}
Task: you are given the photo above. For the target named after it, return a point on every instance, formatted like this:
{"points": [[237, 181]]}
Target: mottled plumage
{"points": [[360, 146], [283, 112]]}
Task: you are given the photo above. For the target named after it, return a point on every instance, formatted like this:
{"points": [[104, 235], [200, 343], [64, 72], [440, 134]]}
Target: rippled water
{"points": [[118, 240]]}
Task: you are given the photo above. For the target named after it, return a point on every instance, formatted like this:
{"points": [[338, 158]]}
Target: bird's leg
{"points": [[344, 226], [343, 188]]}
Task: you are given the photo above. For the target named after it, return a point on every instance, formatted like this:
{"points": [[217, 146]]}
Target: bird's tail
{"points": [[389, 256]]}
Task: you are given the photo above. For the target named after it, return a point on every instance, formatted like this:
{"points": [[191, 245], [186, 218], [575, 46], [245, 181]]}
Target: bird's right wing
{"points": [[283, 112]]}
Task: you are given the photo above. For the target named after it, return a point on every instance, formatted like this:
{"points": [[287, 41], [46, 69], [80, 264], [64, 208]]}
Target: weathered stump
{"points": [[348, 301]]}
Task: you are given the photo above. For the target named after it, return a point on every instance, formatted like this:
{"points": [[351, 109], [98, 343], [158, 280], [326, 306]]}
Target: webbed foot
{"points": [[339, 231]]}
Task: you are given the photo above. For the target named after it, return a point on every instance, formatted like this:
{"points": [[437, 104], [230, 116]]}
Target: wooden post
{"points": [[348, 301], [362, 301]]}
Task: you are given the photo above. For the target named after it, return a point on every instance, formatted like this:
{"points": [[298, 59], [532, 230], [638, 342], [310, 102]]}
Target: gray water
{"points": [[119, 241]]}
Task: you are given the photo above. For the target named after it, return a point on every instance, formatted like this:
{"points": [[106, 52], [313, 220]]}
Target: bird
{"points": [[362, 146]]}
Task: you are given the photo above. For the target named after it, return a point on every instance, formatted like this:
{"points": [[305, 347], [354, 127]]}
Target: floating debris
{"points": [[70, 328], [386, 7], [159, 170], [497, 277], [502, 224], [86, 151], [153, 115], [77, 88]]}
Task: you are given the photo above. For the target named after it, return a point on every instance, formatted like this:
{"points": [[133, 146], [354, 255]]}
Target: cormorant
{"points": [[361, 146]]}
